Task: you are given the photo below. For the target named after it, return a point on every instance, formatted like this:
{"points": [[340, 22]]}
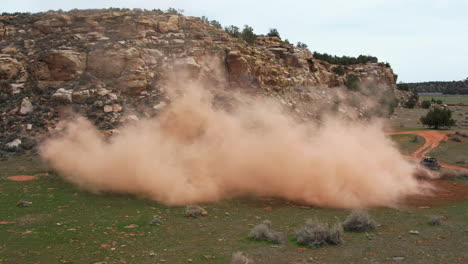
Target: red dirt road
{"points": [[433, 139]]}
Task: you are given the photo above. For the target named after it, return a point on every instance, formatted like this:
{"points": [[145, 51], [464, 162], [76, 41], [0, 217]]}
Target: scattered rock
{"points": [[13, 145], [26, 107], [29, 127], [156, 221], [23, 204], [63, 96], [116, 108], [414, 232], [108, 109]]}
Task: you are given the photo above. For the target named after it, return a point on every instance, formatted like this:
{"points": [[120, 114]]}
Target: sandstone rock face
{"points": [[64, 65], [101, 60], [9, 67]]}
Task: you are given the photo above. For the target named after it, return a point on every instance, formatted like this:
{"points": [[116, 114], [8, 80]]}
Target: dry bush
{"points": [[359, 221], [195, 211], [240, 258], [317, 234], [263, 232], [435, 220]]}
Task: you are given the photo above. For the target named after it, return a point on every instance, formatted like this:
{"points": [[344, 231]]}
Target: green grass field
{"points": [[448, 99], [67, 225], [452, 152], [408, 143]]}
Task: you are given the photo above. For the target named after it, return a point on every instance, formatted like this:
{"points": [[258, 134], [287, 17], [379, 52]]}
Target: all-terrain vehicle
{"points": [[430, 163]]}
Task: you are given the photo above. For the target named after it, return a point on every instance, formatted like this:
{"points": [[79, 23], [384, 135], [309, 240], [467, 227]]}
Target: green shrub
{"points": [[216, 24], [426, 104], [439, 102], [412, 100], [301, 45], [233, 31], [317, 234], [339, 70], [352, 82], [345, 60], [438, 117], [248, 34], [274, 33], [359, 221]]}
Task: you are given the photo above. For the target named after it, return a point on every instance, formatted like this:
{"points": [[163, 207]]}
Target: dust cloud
{"points": [[200, 150]]}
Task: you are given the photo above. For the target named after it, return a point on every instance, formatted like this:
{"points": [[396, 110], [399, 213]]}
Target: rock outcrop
{"points": [[94, 60]]}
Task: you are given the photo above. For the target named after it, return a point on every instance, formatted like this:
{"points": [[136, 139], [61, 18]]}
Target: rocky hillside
{"points": [[112, 65]]}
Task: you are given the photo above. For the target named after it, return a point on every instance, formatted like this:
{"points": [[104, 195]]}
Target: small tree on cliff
{"points": [[438, 117], [274, 33], [248, 34]]}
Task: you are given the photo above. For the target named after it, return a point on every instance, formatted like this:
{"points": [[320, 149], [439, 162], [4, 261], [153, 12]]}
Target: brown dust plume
{"points": [[195, 152]]}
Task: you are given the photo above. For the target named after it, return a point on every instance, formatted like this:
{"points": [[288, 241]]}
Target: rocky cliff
{"points": [[112, 65]]}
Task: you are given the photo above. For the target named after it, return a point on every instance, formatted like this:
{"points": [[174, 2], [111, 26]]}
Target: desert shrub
{"points": [[434, 220], [174, 11], [438, 117], [233, 31], [426, 104], [195, 211], [317, 234], [339, 70], [274, 33], [359, 221], [301, 45], [216, 24], [240, 258], [248, 34], [263, 232], [412, 100], [352, 82]]}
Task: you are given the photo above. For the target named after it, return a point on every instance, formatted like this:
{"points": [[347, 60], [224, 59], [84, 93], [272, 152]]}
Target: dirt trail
{"points": [[433, 139]]}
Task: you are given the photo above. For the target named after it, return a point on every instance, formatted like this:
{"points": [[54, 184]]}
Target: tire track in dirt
{"points": [[432, 140]]}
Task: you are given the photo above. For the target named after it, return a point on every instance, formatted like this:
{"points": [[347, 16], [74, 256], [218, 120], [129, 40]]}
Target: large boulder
{"points": [[62, 65]]}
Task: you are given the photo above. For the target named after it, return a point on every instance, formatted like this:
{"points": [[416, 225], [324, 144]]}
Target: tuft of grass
{"points": [[318, 234], [240, 258], [195, 211], [263, 232], [434, 220], [359, 221]]}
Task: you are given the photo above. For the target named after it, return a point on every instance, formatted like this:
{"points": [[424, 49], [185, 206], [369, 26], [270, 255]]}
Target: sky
{"points": [[423, 40]]}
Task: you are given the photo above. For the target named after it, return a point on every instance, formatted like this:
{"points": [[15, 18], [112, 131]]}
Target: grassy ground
{"points": [[452, 152], [407, 119], [408, 143], [66, 225], [447, 99]]}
